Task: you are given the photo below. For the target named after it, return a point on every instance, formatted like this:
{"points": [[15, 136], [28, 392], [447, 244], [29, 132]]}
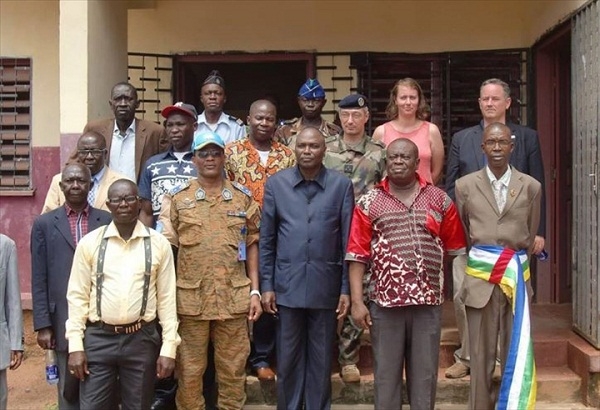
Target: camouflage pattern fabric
{"points": [[286, 133]]}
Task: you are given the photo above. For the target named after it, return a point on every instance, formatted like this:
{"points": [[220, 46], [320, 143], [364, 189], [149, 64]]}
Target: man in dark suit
{"points": [[465, 156], [54, 237], [130, 142], [500, 210], [303, 236]]}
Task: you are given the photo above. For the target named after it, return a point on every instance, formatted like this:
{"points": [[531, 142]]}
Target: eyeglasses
{"points": [[130, 199], [492, 143], [215, 153], [94, 152]]}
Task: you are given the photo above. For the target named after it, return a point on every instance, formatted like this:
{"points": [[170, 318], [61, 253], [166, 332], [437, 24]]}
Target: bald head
{"points": [[263, 104], [410, 146], [496, 128], [123, 185], [310, 150], [262, 122], [76, 167]]}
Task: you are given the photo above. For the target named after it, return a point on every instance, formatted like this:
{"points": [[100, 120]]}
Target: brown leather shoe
{"points": [[265, 373]]}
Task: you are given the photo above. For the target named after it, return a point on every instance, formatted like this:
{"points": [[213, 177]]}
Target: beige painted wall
{"points": [[353, 25], [30, 29]]}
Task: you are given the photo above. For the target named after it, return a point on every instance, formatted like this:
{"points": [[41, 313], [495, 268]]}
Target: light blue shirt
{"points": [[122, 151], [227, 128]]}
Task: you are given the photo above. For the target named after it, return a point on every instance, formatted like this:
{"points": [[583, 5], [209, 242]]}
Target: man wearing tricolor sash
{"points": [[500, 210]]}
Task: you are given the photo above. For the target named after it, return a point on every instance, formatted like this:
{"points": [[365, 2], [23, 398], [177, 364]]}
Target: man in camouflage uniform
{"points": [[363, 161], [217, 224], [311, 99]]}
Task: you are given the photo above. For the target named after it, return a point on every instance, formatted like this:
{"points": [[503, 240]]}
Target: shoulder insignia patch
{"points": [[289, 122], [241, 187], [236, 120], [330, 139], [179, 187]]}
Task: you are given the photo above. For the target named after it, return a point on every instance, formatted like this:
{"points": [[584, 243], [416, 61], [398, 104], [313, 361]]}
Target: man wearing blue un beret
{"points": [[311, 99]]}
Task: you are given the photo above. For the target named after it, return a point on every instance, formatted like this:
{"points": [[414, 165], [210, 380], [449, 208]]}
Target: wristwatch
{"points": [[255, 292]]}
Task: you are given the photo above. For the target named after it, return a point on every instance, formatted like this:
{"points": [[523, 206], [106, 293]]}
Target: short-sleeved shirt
{"points": [[405, 246], [363, 163], [243, 165], [286, 133], [211, 278], [228, 127], [162, 173]]}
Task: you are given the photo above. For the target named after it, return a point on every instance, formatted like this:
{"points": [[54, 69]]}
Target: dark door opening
{"points": [[248, 77]]}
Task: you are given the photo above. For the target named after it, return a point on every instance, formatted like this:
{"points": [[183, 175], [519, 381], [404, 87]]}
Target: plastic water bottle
{"points": [[543, 255], [51, 367]]}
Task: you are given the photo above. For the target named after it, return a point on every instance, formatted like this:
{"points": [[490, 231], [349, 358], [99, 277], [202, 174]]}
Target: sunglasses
{"points": [[215, 153]]}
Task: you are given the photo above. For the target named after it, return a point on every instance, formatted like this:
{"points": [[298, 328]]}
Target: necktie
{"points": [[498, 188], [92, 193], [78, 230]]}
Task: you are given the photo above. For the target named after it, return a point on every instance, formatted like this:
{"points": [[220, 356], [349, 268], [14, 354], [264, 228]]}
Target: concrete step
{"points": [[557, 385]]}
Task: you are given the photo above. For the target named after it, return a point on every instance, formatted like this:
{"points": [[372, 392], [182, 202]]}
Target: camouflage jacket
{"points": [[286, 133], [364, 163], [211, 279]]}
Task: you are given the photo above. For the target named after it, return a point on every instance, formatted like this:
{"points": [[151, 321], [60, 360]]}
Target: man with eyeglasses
{"points": [[311, 100], [91, 151], [500, 210], [362, 160], [122, 285], [54, 236], [216, 223], [464, 157]]}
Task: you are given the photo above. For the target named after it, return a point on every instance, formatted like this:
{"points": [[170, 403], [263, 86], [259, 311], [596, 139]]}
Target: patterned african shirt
{"points": [[243, 165], [405, 246]]}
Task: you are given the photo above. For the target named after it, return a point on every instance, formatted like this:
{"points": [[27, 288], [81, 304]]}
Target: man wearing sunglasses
{"points": [[311, 100], [122, 285], [216, 223], [91, 151]]}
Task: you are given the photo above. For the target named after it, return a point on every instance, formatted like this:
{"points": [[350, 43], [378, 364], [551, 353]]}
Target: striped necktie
{"points": [[92, 193], [78, 228]]}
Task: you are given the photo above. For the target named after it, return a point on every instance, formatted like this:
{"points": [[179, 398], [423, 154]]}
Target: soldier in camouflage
{"points": [[311, 99], [216, 223], [363, 161]]}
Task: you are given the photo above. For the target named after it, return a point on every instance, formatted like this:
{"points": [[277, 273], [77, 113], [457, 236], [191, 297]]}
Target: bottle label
{"points": [[52, 374]]}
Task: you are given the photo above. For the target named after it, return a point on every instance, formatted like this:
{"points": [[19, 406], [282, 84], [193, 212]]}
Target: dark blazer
{"points": [[52, 250], [465, 156], [150, 139], [303, 236], [512, 228]]}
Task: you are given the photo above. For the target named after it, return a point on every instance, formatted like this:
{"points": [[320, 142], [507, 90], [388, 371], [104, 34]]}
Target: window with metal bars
{"points": [[15, 125]]}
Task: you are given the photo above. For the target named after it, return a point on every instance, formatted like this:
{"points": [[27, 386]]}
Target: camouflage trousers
{"points": [[232, 347], [349, 336]]}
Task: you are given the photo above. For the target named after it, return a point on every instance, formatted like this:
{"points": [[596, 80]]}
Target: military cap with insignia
{"points": [[311, 90], [182, 108], [215, 78], [353, 101], [207, 138]]}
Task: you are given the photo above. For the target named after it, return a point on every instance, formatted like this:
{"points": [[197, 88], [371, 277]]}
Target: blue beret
{"points": [[353, 101], [311, 90], [207, 138]]}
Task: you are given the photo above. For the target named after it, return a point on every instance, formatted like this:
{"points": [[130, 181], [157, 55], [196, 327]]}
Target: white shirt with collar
{"points": [[122, 151], [226, 127], [499, 186]]}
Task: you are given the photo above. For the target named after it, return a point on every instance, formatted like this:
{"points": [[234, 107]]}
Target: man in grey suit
{"points": [[500, 209], [465, 156], [54, 236], [304, 279], [11, 315]]}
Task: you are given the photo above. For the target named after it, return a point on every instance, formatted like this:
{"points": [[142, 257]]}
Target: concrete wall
{"points": [[354, 25], [30, 29]]}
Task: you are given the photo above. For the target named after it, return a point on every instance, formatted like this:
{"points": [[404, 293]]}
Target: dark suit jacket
{"points": [[52, 250], [150, 139], [465, 156], [303, 236], [513, 228]]}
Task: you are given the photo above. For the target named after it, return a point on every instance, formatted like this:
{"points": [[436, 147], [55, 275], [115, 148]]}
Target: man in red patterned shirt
{"points": [[403, 228], [250, 161]]}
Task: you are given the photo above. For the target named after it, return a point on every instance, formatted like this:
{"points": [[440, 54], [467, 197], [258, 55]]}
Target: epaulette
{"points": [[289, 122], [179, 187], [242, 188], [333, 127], [380, 144], [331, 138], [237, 120]]}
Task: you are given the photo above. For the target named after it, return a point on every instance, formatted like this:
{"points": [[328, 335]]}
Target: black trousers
{"points": [[120, 362]]}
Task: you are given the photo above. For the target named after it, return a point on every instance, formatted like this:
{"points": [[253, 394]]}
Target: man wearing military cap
{"points": [[213, 119], [216, 223], [311, 99], [363, 161]]}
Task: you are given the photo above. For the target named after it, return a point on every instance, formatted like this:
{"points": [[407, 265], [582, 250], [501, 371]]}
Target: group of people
{"points": [[158, 245]]}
